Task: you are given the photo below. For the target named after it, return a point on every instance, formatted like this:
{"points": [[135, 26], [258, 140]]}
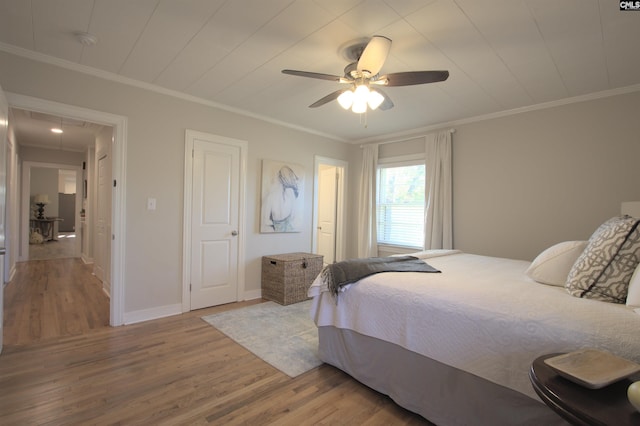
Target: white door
{"points": [[215, 212], [4, 124], [103, 221], [327, 208]]}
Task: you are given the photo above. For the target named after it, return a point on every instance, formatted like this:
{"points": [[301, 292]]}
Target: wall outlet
{"points": [[151, 203]]}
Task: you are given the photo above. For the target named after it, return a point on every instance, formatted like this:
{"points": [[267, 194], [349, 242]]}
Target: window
{"points": [[400, 203]]}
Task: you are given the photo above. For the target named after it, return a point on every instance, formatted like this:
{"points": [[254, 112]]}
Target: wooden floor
{"points": [[50, 298], [172, 371]]}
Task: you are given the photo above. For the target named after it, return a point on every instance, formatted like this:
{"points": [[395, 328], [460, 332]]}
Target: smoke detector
{"points": [[87, 39]]}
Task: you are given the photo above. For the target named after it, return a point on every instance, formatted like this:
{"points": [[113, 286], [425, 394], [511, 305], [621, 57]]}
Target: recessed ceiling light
{"points": [[56, 130]]}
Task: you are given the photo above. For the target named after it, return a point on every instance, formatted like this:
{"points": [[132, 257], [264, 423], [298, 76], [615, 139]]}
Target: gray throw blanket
{"points": [[337, 275]]}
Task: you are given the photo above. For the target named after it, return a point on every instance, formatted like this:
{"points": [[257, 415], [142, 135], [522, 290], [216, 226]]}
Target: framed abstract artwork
{"points": [[282, 197]]}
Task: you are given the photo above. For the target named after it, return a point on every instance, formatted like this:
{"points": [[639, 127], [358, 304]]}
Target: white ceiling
{"points": [[34, 129], [501, 54]]}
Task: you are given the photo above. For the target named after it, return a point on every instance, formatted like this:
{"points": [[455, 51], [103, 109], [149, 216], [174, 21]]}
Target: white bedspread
{"points": [[481, 314]]}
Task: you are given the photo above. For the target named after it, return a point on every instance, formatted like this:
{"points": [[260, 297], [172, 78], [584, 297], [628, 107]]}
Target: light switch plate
{"points": [[151, 203]]}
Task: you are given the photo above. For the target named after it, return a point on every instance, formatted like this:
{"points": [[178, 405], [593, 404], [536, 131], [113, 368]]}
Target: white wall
{"points": [[67, 181], [45, 181], [524, 182], [155, 157], [53, 156]]}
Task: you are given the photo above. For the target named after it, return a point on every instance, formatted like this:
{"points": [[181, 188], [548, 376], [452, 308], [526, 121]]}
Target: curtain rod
{"points": [[402, 140]]}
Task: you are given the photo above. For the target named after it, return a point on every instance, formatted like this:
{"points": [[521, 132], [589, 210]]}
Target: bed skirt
{"points": [[442, 394]]}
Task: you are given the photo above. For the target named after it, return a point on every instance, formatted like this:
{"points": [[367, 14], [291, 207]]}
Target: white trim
{"points": [[252, 294], [118, 225], [341, 216], [186, 222], [40, 57], [405, 139], [12, 202], [190, 135], [152, 313], [402, 160], [25, 204]]}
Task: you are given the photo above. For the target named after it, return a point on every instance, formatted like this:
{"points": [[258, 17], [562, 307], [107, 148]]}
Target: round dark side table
{"points": [[580, 405]]}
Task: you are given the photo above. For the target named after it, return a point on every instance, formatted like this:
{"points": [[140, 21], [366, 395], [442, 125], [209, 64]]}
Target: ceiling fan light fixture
{"points": [[360, 99], [366, 60], [375, 99], [346, 99], [362, 91], [374, 55], [359, 106]]}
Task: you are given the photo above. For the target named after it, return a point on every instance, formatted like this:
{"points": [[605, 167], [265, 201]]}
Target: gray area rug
{"points": [[283, 336]]}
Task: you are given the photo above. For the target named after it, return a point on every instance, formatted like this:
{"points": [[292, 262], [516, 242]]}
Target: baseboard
{"points": [[85, 259], [252, 294], [152, 313], [168, 310]]}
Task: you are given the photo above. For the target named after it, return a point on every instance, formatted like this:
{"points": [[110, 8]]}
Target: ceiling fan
{"points": [[363, 80]]}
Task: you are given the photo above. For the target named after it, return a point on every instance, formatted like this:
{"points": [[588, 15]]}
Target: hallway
{"points": [[52, 298], [64, 246]]}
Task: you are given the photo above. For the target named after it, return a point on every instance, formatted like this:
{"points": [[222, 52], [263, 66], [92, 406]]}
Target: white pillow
{"points": [[553, 265], [633, 295]]}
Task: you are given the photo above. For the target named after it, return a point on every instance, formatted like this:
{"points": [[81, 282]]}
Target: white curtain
{"points": [[438, 228], [367, 238]]}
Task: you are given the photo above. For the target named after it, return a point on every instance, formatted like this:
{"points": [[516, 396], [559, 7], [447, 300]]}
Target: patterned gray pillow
{"points": [[604, 268]]}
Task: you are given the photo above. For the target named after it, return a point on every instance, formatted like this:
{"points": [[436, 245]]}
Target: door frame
{"points": [[23, 253], [341, 215], [118, 206], [190, 135], [104, 277]]}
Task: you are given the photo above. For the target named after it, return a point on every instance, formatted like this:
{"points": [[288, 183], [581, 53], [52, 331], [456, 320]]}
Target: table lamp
{"points": [[41, 200]]}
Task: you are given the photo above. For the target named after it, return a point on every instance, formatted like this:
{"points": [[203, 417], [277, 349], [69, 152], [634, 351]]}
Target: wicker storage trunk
{"points": [[286, 277]]}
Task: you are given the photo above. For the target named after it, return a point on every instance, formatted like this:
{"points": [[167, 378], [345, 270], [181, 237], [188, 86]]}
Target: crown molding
{"points": [[62, 63], [401, 136], [106, 75]]}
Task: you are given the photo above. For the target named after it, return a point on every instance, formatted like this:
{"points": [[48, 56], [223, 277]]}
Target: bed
{"points": [[456, 346]]}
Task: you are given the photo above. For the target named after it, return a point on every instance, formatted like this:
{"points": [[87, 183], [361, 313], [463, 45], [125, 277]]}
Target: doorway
{"points": [[329, 215], [119, 125], [58, 236]]}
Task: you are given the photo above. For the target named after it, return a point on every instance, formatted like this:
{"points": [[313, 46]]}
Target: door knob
{"points": [[234, 232]]}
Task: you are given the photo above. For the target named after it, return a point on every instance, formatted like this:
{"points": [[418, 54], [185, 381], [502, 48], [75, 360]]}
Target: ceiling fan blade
{"points": [[413, 77], [317, 75], [374, 55], [330, 97], [387, 103]]}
